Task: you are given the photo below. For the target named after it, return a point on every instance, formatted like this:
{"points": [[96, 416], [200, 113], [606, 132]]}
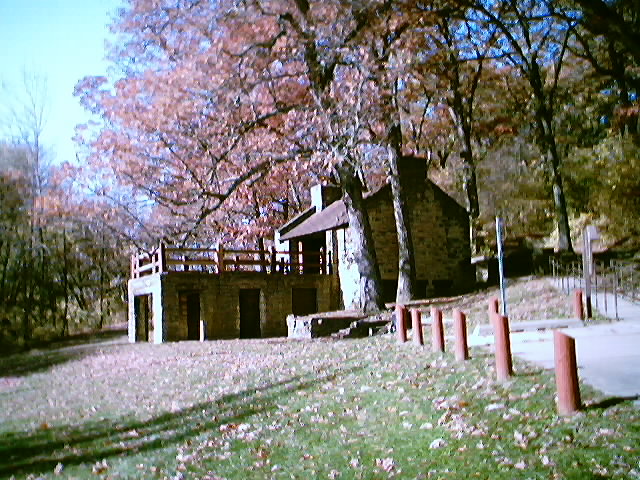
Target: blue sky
{"points": [[62, 40]]}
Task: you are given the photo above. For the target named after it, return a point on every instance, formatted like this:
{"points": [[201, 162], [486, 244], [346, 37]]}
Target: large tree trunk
{"points": [[406, 258], [361, 235], [460, 115], [470, 185], [559, 201], [547, 143]]}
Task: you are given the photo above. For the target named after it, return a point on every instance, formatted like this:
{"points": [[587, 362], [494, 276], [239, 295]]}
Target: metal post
{"points": [[587, 261], [604, 283], [615, 293], [595, 283], [503, 283]]}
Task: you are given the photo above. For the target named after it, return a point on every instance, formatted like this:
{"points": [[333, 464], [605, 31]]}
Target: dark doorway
{"points": [[193, 316], [311, 247], [144, 319], [304, 301], [250, 313]]}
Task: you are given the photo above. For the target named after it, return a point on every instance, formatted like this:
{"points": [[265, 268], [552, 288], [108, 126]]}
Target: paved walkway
{"points": [[608, 354]]}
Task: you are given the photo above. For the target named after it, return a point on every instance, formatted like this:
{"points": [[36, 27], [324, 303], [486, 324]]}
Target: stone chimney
{"points": [[324, 195], [412, 169]]}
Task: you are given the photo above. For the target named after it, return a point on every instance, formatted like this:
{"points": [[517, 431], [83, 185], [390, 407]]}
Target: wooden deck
{"points": [[216, 261]]}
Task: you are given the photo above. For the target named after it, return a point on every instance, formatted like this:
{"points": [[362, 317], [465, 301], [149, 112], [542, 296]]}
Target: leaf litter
{"points": [[258, 409]]}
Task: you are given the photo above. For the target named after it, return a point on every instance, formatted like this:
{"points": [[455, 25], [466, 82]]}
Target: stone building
{"points": [[439, 227], [176, 305], [187, 294]]}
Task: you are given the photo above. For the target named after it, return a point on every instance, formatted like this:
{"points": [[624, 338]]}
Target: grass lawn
{"points": [[261, 409]]}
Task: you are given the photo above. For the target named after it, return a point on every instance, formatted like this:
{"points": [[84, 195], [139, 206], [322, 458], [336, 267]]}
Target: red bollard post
{"points": [[437, 330], [566, 373], [577, 304], [494, 304], [460, 334], [502, 343], [416, 326], [401, 323]]}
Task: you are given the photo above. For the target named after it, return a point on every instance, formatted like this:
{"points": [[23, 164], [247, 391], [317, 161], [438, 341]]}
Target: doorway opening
{"points": [[304, 301], [250, 313], [193, 316], [144, 318]]}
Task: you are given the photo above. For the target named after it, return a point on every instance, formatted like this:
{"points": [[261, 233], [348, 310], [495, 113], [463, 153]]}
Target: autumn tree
{"points": [[229, 99], [454, 55], [613, 65], [202, 117], [617, 21], [535, 42]]}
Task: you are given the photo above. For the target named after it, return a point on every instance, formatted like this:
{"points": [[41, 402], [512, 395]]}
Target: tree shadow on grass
{"points": [[610, 402], [41, 450], [42, 359]]}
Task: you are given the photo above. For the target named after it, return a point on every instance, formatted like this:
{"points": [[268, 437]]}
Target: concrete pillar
{"points": [[437, 330], [159, 320], [416, 326], [401, 322], [502, 343], [203, 330], [577, 304], [460, 334], [132, 314], [566, 373]]}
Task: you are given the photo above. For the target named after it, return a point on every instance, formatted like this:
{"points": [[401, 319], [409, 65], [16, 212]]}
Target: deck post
{"points": [[220, 259], [134, 261], [162, 259], [274, 260], [262, 255]]}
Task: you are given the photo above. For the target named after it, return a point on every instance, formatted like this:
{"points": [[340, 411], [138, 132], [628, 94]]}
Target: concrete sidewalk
{"points": [[608, 354]]}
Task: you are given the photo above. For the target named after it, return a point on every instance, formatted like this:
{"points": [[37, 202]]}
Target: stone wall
{"points": [[440, 232], [219, 301]]}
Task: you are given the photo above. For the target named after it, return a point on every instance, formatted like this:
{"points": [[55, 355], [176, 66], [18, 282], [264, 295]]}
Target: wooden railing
{"points": [[220, 260]]}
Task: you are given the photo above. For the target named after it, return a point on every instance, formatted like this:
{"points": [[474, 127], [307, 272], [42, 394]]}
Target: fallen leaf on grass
{"points": [[100, 467], [438, 443], [387, 464]]}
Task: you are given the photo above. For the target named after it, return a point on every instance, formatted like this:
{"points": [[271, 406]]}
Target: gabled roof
{"points": [[332, 217], [297, 220]]}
